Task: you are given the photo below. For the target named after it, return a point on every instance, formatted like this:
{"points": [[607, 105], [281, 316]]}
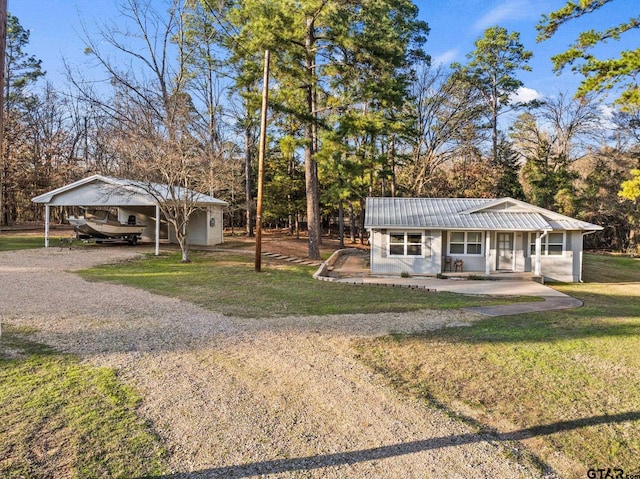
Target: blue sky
{"points": [[56, 25]]}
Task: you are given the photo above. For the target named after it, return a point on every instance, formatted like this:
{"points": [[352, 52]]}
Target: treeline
{"points": [[355, 110]]}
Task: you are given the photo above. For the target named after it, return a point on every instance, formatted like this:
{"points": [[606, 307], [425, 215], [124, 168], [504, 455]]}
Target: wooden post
{"points": [[3, 48], [261, 154]]}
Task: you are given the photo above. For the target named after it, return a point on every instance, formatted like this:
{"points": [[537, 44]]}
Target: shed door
{"points": [[505, 251]]}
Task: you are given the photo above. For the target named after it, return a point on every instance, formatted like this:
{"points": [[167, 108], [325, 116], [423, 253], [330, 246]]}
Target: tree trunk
{"points": [[341, 223], [311, 141], [352, 223], [247, 183], [362, 226], [313, 203], [3, 45], [392, 161]]}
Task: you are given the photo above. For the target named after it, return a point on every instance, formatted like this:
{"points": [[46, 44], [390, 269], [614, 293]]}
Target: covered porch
{"points": [[552, 254]]}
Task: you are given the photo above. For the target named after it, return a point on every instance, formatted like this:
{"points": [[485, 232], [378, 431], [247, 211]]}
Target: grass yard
{"points": [[16, 242], [61, 418], [566, 381], [227, 283]]}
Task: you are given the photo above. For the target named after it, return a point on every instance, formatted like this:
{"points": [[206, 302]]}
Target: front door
{"points": [[505, 251]]}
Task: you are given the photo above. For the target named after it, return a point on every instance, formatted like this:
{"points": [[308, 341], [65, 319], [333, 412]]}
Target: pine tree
{"points": [[21, 72], [599, 75]]}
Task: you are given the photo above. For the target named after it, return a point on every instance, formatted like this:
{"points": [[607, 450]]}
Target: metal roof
{"points": [[504, 214], [99, 190]]}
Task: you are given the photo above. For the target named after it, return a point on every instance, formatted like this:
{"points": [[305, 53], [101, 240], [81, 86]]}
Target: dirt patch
{"points": [[277, 241]]}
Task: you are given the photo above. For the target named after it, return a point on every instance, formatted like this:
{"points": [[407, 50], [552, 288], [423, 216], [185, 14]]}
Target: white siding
{"points": [[383, 263], [99, 194], [201, 231], [471, 263], [216, 234], [564, 268], [198, 228]]}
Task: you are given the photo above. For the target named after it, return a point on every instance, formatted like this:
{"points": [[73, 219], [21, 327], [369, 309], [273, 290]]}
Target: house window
{"points": [[405, 244], [551, 245], [465, 242]]}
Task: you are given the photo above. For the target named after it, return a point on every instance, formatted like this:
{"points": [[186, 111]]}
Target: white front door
{"points": [[505, 251]]}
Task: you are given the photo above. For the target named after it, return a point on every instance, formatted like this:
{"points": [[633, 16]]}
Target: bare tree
{"points": [[550, 138], [444, 109], [155, 120]]}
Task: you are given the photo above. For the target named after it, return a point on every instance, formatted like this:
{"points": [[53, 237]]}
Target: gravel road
{"points": [[281, 398]]}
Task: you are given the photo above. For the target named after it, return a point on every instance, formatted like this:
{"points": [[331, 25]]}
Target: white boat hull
{"points": [[109, 230]]}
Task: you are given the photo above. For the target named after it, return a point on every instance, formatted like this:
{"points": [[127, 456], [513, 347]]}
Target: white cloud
{"points": [[607, 111], [524, 95], [606, 120], [509, 10], [445, 59]]}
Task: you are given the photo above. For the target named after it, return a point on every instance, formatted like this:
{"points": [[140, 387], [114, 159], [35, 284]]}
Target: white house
{"points": [[134, 198], [435, 235]]}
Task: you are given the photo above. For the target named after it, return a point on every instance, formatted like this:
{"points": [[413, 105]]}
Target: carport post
{"points": [[46, 226], [157, 230]]}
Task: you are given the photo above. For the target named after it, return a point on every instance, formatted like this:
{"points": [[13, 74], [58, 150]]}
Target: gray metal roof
{"points": [[505, 214], [99, 190]]}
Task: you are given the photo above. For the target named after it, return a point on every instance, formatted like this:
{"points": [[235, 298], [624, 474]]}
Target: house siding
{"points": [[565, 268], [441, 216], [383, 263], [471, 263]]}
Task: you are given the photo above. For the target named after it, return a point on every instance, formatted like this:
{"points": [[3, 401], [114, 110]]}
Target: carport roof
{"points": [[99, 190], [504, 214]]}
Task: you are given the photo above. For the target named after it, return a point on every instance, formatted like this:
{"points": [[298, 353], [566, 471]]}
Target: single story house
{"points": [[142, 201], [428, 236]]}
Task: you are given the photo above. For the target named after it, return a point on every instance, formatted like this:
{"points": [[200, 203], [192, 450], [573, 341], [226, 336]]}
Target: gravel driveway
{"points": [[234, 397]]}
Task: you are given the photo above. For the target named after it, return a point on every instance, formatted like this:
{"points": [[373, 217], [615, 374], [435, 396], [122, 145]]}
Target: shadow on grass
{"points": [[377, 453]]}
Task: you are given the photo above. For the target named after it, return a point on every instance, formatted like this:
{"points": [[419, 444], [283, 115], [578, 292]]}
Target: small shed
{"points": [[141, 200]]}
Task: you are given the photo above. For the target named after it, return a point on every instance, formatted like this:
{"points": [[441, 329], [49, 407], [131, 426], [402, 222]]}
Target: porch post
{"points": [[46, 225], [157, 230], [514, 235], [538, 262], [487, 257]]}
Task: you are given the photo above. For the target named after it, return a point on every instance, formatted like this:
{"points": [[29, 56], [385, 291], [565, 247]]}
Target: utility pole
{"points": [[3, 48], [261, 154]]}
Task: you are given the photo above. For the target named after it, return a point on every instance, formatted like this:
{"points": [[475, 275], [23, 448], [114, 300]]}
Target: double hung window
{"points": [[405, 244], [551, 245], [465, 243]]}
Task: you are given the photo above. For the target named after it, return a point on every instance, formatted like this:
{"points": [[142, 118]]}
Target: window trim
{"points": [[423, 244], [466, 243], [544, 244]]}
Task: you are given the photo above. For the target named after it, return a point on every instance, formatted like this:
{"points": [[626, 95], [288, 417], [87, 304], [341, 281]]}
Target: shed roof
{"points": [[504, 214], [99, 190]]}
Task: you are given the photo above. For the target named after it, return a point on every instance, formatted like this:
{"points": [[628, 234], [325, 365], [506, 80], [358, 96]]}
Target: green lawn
{"points": [[15, 242], [62, 418], [227, 283], [568, 380]]}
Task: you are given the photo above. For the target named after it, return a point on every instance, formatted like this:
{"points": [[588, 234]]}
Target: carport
{"points": [[135, 198]]}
